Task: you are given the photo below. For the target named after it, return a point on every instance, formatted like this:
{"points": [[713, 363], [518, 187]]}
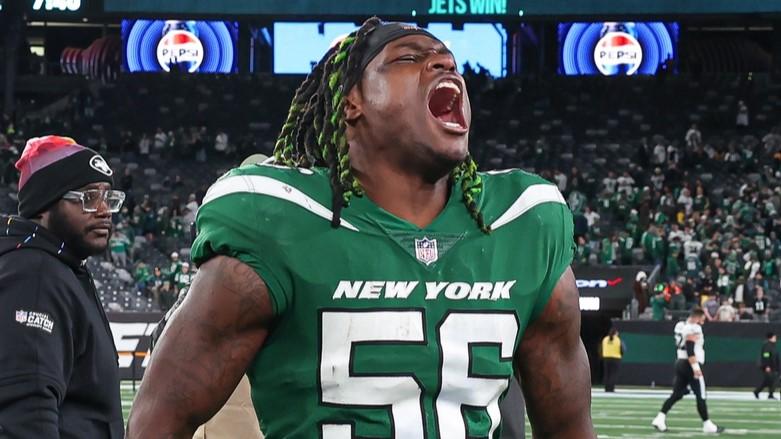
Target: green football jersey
{"points": [[384, 329]]}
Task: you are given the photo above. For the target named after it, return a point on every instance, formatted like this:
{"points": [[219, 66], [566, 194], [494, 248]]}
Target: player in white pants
{"points": [[690, 342]]}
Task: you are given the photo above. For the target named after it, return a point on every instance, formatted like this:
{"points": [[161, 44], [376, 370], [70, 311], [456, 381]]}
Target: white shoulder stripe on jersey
{"points": [[257, 184], [534, 195]]}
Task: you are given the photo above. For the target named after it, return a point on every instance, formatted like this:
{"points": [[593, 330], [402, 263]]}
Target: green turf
{"points": [[620, 417], [631, 418]]}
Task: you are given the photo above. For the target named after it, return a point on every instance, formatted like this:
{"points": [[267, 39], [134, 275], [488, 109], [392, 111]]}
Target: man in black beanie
{"points": [[58, 376]]}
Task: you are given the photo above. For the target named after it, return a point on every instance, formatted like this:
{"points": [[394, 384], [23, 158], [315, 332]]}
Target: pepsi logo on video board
{"points": [[616, 48], [180, 45]]}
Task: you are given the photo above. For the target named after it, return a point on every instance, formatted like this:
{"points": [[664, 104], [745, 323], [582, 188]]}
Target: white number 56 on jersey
{"points": [[340, 330]]}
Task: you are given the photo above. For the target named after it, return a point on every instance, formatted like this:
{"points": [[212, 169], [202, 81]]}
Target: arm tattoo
{"points": [[554, 369], [204, 351]]}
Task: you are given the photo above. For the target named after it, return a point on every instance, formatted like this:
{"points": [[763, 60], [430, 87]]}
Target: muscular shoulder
{"points": [[255, 195], [531, 220], [511, 182], [251, 213], [512, 194], [269, 183]]}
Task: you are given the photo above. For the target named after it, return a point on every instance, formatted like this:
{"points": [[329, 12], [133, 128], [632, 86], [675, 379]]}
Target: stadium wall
{"points": [[731, 349], [731, 352], [132, 337]]}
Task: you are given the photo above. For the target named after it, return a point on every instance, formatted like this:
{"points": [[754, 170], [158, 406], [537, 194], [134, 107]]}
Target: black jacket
{"points": [[59, 376], [770, 357]]}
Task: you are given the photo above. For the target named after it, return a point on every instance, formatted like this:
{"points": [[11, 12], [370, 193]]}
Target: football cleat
{"points": [[659, 423], [709, 427]]}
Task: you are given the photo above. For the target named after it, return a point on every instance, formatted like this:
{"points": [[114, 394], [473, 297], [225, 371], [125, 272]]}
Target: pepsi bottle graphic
{"points": [[180, 49], [618, 50]]}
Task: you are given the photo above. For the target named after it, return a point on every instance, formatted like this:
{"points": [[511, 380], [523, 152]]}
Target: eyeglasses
{"points": [[91, 199]]}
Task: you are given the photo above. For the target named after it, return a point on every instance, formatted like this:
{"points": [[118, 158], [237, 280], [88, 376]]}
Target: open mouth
{"points": [[445, 102]]}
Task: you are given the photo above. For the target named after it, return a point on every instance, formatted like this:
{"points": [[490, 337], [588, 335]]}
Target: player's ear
{"points": [[353, 104]]}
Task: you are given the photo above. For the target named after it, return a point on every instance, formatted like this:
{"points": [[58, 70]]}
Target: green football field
{"points": [[628, 414]]}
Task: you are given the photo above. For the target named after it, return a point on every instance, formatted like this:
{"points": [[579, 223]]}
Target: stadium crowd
{"points": [[716, 241], [692, 189]]}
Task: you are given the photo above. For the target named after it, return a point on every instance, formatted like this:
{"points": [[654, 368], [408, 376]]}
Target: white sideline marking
{"points": [[723, 395]]}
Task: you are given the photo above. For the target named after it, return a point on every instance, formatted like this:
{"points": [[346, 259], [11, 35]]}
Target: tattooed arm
{"points": [[204, 351], [554, 368]]}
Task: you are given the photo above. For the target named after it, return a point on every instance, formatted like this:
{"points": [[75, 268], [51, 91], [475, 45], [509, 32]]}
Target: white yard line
{"points": [[694, 420], [725, 395]]}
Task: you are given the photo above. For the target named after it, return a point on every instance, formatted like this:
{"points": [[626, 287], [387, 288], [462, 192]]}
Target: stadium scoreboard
{"points": [[319, 8], [57, 5], [57, 10], [468, 9]]}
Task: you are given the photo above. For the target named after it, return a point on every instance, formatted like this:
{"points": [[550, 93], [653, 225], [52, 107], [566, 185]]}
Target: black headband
{"points": [[383, 34]]}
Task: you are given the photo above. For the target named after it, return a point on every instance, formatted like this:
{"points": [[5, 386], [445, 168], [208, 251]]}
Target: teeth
{"points": [[452, 125], [452, 103], [450, 85]]}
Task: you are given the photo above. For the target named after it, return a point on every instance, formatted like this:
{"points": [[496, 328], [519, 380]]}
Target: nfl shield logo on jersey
{"points": [[426, 250], [21, 316]]}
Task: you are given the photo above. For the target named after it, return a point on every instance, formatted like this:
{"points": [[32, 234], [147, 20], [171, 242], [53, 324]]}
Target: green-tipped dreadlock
{"points": [[314, 131]]}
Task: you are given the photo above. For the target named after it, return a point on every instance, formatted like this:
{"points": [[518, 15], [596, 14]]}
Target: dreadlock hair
{"points": [[314, 131]]}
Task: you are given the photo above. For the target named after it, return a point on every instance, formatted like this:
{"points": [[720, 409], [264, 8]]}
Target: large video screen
{"points": [[441, 9], [185, 46], [617, 48], [299, 46]]}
